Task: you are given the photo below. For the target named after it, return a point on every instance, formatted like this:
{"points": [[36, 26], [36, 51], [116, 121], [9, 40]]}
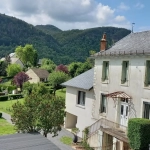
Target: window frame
{"points": [[146, 103], [79, 98]]}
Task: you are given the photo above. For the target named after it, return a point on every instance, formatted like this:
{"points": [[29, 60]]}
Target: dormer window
{"points": [[105, 71], [125, 72]]}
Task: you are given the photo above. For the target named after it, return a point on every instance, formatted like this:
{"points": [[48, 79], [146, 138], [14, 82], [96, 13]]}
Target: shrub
{"points": [[4, 98], [139, 133], [0, 115]]}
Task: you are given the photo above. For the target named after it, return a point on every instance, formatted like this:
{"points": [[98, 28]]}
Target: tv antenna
{"points": [[132, 27]]}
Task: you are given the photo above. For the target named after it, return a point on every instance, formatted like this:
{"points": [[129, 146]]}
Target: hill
{"points": [[51, 42], [78, 43]]}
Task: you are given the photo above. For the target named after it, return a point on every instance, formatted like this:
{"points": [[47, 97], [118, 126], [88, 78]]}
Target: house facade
{"points": [[79, 100], [121, 89], [37, 75]]}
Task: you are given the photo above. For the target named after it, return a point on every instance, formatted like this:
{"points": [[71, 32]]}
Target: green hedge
{"points": [[139, 133], [0, 115], [8, 97], [10, 87]]}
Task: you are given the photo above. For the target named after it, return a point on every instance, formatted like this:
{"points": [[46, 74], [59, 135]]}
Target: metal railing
{"points": [[105, 124]]}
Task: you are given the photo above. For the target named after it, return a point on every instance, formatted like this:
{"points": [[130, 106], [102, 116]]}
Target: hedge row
{"points": [[139, 133], [8, 97], [10, 87]]}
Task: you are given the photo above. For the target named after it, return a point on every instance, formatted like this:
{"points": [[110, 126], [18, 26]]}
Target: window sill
{"points": [[147, 87], [125, 84], [105, 82], [80, 106], [103, 114]]}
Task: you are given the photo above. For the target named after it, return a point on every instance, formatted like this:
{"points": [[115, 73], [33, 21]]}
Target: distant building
{"points": [[37, 75]]}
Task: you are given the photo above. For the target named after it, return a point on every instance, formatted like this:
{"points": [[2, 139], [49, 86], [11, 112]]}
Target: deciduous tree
{"points": [[20, 78], [27, 54], [13, 69], [62, 68], [39, 113], [56, 78]]}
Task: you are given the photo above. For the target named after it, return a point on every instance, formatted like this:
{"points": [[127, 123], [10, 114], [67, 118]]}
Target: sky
{"points": [[81, 14]]}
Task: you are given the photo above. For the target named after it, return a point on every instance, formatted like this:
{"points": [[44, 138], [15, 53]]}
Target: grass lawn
{"points": [[6, 106], [66, 140], [6, 128], [61, 92]]}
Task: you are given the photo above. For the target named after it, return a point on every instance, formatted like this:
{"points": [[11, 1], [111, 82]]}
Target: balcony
{"points": [[109, 127]]}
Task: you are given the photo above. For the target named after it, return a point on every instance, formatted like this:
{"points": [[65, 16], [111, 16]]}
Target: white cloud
{"points": [[64, 14], [122, 6], [120, 18], [139, 5]]}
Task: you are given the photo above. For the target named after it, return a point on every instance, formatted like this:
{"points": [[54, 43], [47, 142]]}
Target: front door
{"points": [[124, 113]]}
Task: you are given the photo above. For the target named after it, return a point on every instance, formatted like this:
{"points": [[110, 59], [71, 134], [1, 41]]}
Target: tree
{"points": [[56, 78], [62, 68], [3, 66], [13, 69], [73, 68], [48, 64], [20, 78], [39, 113], [51, 115], [27, 54], [83, 67]]}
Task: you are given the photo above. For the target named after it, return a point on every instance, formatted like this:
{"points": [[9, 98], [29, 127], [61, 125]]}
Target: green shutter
{"points": [[147, 70], [104, 71], [123, 76]]}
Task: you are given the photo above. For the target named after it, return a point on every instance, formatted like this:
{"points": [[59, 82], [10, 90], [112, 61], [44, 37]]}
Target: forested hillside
{"points": [[51, 42]]}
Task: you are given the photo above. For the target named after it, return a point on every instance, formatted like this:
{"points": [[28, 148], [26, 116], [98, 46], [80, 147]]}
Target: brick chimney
{"points": [[103, 43]]}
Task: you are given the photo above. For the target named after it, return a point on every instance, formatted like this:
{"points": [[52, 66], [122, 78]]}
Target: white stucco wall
{"points": [[135, 87], [83, 114], [33, 76]]}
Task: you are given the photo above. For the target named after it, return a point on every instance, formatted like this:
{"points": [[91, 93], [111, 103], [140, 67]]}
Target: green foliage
{"points": [[39, 88], [83, 67], [56, 78], [63, 47], [10, 97], [13, 69], [7, 87], [66, 140], [39, 112], [27, 54], [3, 66], [139, 133], [48, 64]]}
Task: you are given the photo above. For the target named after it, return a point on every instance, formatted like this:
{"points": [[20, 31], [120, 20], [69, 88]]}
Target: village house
{"points": [[14, 59], [121, 90], [37, 75]]}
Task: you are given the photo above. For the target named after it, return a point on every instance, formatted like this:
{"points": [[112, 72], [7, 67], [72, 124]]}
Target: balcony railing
{"points": [[117, 130]]}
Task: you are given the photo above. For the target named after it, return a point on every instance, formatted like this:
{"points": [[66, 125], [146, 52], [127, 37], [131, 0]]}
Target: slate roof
{"points": [[26, 141], [82, 81], [132, 43], [41, 73]]}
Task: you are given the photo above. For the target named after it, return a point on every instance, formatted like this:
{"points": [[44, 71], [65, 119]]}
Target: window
{"points": [[147, 74], [105, 71], [81, 98], [146, 110], [125, 72], [103, 103]]}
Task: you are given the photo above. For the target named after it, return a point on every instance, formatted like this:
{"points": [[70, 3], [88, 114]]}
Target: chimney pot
{"points": [[103, 43]]}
